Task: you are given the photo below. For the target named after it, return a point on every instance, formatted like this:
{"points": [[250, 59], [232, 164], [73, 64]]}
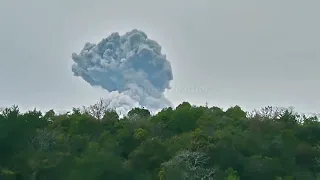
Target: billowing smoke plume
{"points": [[131, 67]]}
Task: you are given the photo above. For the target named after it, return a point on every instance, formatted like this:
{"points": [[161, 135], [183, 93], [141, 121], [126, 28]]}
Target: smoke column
{"points": [[131, 67]]}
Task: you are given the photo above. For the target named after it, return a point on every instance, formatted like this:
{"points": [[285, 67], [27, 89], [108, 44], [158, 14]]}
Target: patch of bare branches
{"points": [[191, 165], [98, 109]]}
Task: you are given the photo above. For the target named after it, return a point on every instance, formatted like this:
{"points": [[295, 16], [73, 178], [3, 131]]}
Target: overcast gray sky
{"points": [[252, 53]]}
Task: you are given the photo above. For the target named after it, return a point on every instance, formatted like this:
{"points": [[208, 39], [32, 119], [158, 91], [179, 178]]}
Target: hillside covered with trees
{"points": [[188, 143]]}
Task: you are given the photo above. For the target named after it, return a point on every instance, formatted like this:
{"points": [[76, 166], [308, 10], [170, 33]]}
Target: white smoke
{"points": [[131, 67]]}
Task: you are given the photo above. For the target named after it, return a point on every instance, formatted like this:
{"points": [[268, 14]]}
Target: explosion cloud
{"points": [[131, 67]]}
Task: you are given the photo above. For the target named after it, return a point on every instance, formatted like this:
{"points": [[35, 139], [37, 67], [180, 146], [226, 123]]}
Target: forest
{"points": [[187, 142]]}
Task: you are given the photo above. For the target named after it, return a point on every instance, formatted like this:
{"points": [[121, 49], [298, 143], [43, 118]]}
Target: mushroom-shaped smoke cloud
{"points": [[131, 67]]}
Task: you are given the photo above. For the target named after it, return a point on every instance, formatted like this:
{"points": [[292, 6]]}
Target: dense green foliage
{"points": [[187, 142]]}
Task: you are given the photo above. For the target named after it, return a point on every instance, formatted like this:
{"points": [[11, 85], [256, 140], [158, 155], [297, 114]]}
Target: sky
{"points": [[248, 53]]}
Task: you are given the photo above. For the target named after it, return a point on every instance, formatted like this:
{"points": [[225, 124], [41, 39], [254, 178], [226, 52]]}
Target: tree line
{"points": [[187, 142]]}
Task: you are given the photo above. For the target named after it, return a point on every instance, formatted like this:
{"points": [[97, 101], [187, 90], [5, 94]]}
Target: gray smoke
{"points": [[131, 67]]}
